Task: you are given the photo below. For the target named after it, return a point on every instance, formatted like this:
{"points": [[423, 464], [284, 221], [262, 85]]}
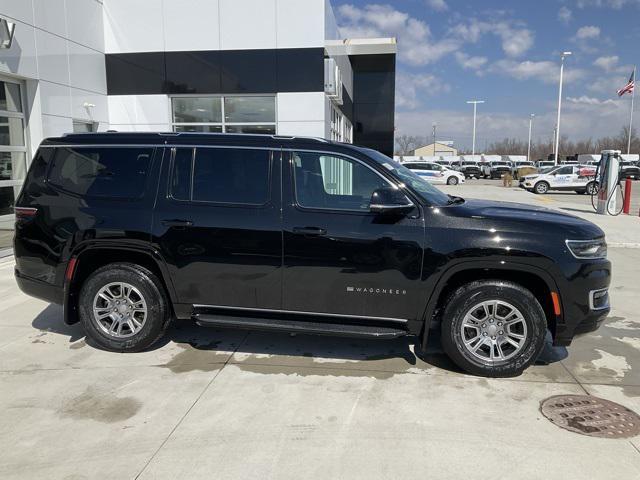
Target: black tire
{"points": [[591, 188], [151, 289], [452, 180], [541, 188], [465, 298]]}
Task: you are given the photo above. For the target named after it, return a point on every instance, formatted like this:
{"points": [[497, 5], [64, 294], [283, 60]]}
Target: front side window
{"points": [[221, 175], [101, 172], [332, 182]]}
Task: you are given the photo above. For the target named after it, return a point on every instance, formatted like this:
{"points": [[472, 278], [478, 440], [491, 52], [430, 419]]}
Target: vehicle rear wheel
{"points": [[452, 180], [493, 328], [541, 187], [592, 188], [123, 307]]}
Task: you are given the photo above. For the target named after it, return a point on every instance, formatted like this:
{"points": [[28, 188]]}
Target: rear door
{"points": [[217, 223]]}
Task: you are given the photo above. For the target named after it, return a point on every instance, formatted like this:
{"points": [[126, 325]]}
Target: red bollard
{"points": [[627, 196]]}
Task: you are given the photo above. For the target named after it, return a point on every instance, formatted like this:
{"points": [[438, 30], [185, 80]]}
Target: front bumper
{"points": [[580, 314]]}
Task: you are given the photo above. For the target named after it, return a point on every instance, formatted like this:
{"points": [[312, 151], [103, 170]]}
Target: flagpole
{"points": [[633, 94]]}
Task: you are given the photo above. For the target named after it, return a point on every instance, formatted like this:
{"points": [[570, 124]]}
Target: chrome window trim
{"points": [[566, 243], [299, 312]]}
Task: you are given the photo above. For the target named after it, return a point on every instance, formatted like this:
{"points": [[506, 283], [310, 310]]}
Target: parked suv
{"points": [[131, 231]]}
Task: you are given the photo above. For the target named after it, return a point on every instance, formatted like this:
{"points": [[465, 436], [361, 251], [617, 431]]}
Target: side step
{"points": [[295, 326]]}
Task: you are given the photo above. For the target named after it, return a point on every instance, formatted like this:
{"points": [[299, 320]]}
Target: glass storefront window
{"points": [[198, 128], [249, 109], [235, 114], [10, 97], [253, 129], [13, 156], [197, 110], [12, 166], [11, 131]]}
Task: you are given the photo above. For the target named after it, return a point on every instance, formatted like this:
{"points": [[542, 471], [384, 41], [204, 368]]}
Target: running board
{"points": [[296, 326]]}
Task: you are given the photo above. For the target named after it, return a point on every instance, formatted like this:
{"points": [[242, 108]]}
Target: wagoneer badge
{"points": [[376, 291]]}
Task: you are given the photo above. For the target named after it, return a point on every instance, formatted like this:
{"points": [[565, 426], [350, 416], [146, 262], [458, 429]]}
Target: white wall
{"points": [[301, 114], [175, 25], [59, 49]]}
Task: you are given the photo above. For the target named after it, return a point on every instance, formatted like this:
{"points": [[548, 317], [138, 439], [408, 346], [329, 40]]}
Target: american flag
{"points": [[628, 88]]}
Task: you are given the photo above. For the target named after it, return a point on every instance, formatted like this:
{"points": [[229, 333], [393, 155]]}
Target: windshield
{"points": [[428, 192], [473, 164], [498, 163]]}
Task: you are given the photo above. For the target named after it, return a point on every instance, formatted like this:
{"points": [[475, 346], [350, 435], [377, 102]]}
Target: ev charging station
{"points": [[608, 179]]}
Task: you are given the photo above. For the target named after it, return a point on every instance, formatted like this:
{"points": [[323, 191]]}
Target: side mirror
{"points": [[390, 201]]}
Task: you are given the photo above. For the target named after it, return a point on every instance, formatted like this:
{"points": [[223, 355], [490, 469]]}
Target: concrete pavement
{"points": [[228, 404]]}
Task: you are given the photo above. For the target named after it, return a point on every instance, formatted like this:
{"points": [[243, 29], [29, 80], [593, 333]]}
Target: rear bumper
{"points": [[39, 289]]}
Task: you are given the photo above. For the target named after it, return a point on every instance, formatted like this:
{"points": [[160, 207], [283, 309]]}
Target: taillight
{"points": [[24, 214]]}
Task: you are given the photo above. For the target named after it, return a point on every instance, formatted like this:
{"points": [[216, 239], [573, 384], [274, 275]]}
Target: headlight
{"points": [[588, 248]]}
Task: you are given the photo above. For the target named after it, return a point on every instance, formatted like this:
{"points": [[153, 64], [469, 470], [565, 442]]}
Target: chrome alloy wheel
{"points": [[493, 331], [119, 309]]}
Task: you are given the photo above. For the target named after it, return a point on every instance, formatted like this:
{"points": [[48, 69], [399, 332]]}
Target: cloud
{"points": [[607, 63], [470, 63], [544, 71], [438, 5], [582, 118], [587, 32], [416, 44], [410, 88], [565, 15], [516, 39], [615, 4]]}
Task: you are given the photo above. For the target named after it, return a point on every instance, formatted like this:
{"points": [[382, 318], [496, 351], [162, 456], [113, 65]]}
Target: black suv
{"points": [[131, 231]]}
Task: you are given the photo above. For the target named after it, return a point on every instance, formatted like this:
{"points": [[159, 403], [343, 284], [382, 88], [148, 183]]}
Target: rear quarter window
{"points": [[111, 172]]}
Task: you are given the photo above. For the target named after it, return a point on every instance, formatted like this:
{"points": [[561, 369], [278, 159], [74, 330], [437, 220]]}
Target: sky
{"points": [[507, 53]]}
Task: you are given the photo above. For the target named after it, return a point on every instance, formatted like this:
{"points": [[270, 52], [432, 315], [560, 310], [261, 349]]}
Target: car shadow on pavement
{"points": [[401, 353]]}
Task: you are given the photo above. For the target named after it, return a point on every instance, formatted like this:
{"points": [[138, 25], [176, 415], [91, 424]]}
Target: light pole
{"points": [[531, 117], [475, 109], [562, 57]]}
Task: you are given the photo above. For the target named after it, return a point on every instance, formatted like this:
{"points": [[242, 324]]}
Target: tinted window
{"points": [[221, 175], [101, 172], [565, 171], [334, 183]]}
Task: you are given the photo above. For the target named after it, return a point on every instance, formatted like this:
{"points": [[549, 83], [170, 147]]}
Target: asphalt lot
{"points": [[569, 197], [228, 404]]}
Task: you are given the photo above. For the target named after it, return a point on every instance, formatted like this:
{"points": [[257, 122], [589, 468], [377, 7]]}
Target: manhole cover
{"points": [[591, 416]]}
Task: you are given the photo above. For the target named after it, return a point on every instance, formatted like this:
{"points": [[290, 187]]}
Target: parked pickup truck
{"points": [[496, 169], [133, 231]]}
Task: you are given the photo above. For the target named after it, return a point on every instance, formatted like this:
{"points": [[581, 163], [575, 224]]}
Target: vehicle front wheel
{"points": [[541, 187], [452, 180], [493, 328], [123, 307]]}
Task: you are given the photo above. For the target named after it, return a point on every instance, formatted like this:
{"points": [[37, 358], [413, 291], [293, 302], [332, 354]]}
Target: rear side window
{"points": [[221, 175], [101, 172]]}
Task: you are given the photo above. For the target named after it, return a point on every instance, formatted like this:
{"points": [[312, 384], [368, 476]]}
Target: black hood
{"points": [[526, 218]]}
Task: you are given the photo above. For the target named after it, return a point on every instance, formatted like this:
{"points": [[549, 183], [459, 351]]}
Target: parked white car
{"points": [[579, 178], [434, 173]]}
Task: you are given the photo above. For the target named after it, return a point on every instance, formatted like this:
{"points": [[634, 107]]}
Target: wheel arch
{"points": [[535, 279], [91, 257]]}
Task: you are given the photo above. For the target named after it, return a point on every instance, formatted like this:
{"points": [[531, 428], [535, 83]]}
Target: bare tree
{"points": [[406, 144]]}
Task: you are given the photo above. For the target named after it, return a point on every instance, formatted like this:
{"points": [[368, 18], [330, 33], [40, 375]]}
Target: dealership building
{"points": [[276, 67]]}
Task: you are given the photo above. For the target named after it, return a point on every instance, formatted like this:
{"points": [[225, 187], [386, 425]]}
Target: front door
{"points": [[218, 225], [339, 258]]}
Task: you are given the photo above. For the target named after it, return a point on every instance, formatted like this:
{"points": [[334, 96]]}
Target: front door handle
{"points": [[309, 231], [177, 223]]}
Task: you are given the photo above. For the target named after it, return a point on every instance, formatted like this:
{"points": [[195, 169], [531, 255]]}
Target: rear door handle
{"points": [[310, 231], [177, 223]]}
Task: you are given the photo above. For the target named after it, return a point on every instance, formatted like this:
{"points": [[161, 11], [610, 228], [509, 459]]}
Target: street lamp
{"points": [[531, 117], [562, 57], [475, 107]]}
